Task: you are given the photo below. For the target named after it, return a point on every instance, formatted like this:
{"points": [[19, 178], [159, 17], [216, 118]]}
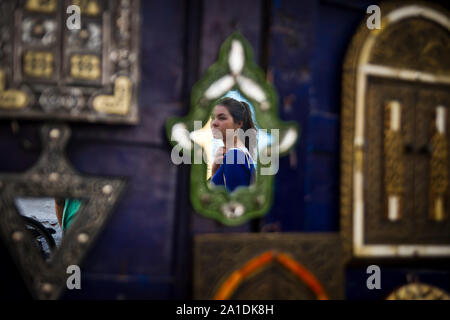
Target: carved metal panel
{"points": [[48, 71], [218, 257], [395, 136]]}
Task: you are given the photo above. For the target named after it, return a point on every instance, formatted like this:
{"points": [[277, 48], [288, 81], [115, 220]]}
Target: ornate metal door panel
{"points": [[395, 135], [399, 164], [432, 164], [388, 170]]}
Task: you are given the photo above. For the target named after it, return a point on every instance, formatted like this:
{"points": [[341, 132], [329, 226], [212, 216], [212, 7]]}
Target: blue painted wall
{"points": [[145, 251]]}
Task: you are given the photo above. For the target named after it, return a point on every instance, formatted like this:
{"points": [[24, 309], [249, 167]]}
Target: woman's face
{"points": [[221, 121]]}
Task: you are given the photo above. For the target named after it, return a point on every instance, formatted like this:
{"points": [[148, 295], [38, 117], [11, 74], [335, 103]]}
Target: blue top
{"points": [[236, 170]]}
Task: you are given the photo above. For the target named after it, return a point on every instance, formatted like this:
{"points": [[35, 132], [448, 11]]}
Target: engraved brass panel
{"points": [[418, 291], [11, 98], [88, 7], [439, 172], [46, 6], [85, 66], [119, 102], [394, 163], [38, 64]]}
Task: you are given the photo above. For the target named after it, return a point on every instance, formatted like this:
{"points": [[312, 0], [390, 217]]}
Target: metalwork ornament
{"points": [[85, 66], [119, 102], [439, 173], [418, 291], [38, 64], [88, 7], [11, 98], [89, 37], [53, 99], [394, 160], [39, 31], [48, 6]]}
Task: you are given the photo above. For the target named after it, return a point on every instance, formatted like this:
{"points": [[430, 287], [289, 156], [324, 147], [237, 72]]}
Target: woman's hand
{"points": [[218, 160]]}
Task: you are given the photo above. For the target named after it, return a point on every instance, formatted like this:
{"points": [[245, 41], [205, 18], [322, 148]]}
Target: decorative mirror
{"points": [[42, 246], [234, 77], [395, 136], [48, 71]]}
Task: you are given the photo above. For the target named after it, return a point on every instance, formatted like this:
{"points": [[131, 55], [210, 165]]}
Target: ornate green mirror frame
{"points": [[234, 70]]}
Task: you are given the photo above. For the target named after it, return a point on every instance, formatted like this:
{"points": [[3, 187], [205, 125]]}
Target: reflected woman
{"points": [[233, 165]]}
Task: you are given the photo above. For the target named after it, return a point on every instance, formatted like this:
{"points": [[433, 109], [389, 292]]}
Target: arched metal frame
{"points": [[357, 69]]}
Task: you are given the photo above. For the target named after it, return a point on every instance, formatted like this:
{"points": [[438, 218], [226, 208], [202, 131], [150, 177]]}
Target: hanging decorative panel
{"points": [[51, 69]]}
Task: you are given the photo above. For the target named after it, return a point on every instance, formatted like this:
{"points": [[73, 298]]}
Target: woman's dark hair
{"points": [[240, 111]]}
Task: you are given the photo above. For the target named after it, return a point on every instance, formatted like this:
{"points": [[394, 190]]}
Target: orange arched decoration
{"points": [[234, 280]]}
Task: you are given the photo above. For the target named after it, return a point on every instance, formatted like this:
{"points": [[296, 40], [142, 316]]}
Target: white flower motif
{"points": [[236, 61], [236, 58], [219, 87], [251, 88], [288, 140], [180, 134], [233, 210]]}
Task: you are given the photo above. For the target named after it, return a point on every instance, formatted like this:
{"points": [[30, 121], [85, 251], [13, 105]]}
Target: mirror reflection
{"points": [[231, 140], [233, 165], [47, 220]]}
